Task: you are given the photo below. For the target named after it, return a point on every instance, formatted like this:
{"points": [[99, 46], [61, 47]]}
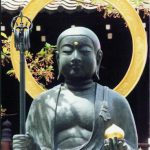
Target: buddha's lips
{"points": [[75, 66]]}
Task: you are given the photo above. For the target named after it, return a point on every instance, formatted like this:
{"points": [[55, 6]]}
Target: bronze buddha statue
{"points": [[75, 114]]}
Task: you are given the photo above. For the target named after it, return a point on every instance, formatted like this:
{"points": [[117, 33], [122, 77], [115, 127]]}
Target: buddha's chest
{"points": [[75, 111]]}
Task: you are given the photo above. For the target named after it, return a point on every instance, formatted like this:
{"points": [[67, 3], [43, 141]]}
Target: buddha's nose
{"points": [[76, 57]]}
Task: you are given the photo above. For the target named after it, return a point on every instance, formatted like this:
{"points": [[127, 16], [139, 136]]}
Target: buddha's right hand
{"points": [[116, 144], [22, 142]]}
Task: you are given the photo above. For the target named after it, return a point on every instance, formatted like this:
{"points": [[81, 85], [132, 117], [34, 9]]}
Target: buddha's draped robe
{"points": [[110, 108]]}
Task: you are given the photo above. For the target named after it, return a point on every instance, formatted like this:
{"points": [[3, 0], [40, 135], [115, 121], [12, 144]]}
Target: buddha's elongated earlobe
{"points": [[97, 75], [99, 56], [58, 77], [57, 59]]}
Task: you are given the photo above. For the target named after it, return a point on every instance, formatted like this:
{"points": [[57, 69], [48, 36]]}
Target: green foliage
{"points": [[5, 52], [11, 72], [136, 2], [110, 11], [40, 64], [3, 35]]}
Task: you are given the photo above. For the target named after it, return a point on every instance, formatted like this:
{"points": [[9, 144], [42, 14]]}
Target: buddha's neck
{"points": [[79, 85]]}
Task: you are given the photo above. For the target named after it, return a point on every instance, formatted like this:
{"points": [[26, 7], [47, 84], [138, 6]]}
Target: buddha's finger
{"points": [[115, 143], [120, 145], [111, 144], [106, 144]]}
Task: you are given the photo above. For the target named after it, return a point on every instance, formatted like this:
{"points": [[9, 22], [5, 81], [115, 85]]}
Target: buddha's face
{"points": [[77, 58]]}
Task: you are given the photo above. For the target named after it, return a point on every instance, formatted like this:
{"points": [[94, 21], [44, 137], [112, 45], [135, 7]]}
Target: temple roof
{"points": [[70, 5], [66, 4]]}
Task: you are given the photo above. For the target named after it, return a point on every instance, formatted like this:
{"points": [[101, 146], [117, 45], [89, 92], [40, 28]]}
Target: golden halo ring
{"points": [[139, 41]]}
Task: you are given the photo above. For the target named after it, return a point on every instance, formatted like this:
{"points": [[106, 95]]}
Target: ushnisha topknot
{"points": [[83, 31]]}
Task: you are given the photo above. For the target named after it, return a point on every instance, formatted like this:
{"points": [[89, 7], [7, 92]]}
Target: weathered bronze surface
{"points": [[75, 114]]}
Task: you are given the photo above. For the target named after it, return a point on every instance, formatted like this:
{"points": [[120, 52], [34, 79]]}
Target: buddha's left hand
{"points": [[115, 144]]}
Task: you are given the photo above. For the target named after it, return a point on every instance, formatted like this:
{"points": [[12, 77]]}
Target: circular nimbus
{"points": [[139, 42]]}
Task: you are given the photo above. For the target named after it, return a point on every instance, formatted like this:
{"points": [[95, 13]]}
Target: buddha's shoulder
{"points": [[113, 96], [48, 94]]}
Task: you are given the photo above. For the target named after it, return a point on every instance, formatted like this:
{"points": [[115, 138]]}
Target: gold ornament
{"points": [[114, 131], [139, 41], [76, 43]]}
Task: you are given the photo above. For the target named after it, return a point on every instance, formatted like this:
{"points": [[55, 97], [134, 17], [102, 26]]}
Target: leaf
{"points": [[2, 55], [41, 52], [50, 68], [47, 45], [10, 72], [5, 50], [4, 35], [28, 54]]}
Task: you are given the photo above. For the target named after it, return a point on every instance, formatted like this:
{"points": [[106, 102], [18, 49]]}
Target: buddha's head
{"points": [[78, 54]]}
